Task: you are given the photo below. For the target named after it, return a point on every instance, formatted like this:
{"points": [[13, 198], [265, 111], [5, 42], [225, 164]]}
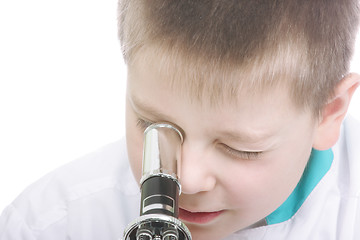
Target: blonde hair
{"points": [[221, 46]]}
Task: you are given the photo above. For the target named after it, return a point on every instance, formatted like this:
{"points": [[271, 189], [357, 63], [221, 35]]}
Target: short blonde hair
{"points": [[226, 45]]}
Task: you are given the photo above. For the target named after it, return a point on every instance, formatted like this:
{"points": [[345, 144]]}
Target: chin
{"points": [[199, 232]]}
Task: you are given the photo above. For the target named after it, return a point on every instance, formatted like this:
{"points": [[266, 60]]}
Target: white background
{"points": [[62, 85]]}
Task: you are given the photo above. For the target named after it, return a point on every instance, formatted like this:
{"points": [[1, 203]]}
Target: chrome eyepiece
{"points": [[160, 187]]}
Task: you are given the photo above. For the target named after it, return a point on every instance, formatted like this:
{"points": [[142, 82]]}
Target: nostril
{"points": [[196, 185]]}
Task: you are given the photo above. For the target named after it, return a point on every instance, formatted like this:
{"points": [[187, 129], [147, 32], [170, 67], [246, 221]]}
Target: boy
{"points": [[259, 90]]}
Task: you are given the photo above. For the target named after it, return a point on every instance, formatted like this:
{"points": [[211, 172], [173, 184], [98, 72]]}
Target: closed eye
{"points": [[247, 155]]}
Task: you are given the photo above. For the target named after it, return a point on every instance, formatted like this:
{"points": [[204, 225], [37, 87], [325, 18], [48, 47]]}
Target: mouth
{"points": [[198, 217]]}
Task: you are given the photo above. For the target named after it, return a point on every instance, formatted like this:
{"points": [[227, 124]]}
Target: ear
{"points": [[328, 129]]}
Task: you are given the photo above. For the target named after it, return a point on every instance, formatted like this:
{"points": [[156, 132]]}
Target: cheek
{"points": [[248, 185], [134, 142], [262, 186]]}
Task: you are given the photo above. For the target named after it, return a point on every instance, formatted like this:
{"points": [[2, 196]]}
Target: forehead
{"points": [[207, 80]]}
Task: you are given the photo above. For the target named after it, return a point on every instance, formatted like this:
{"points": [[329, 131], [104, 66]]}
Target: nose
{"points": [[196, 172]]}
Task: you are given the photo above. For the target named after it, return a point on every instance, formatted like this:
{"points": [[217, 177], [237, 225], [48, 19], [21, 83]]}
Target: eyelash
{"points": [[240, 154], [142, 124]]}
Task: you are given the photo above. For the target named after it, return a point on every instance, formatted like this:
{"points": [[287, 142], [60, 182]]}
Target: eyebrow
{"points": [[141, 106], [246, 136]]}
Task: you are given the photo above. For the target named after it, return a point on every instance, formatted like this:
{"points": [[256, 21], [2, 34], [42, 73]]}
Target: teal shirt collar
{"points": [[318, 165]]}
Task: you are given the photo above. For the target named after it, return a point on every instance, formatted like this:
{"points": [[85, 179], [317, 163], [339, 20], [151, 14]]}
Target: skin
{"points": [[218, 170]]}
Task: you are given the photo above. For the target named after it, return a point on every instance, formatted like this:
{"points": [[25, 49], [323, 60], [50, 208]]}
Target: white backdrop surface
{"points": [[62, 86]]}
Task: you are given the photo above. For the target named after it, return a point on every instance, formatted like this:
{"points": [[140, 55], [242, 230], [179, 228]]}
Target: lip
{"points": [[198, 217]]}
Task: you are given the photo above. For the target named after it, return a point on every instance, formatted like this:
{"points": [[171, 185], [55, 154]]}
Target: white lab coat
{"points": [[95, 197]]}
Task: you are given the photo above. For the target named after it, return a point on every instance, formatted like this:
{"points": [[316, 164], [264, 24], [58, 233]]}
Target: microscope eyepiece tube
{"points": [[162, 152], [160, 187]]}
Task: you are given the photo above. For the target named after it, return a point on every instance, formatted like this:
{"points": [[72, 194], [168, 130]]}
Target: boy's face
{"points": [[240, 160]]}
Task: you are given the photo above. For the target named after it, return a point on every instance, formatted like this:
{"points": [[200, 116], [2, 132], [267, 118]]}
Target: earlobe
{"points": [[328, 129]]}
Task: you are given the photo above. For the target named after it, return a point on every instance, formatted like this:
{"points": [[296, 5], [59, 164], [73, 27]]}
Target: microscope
{"points": [[160, 187]]}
